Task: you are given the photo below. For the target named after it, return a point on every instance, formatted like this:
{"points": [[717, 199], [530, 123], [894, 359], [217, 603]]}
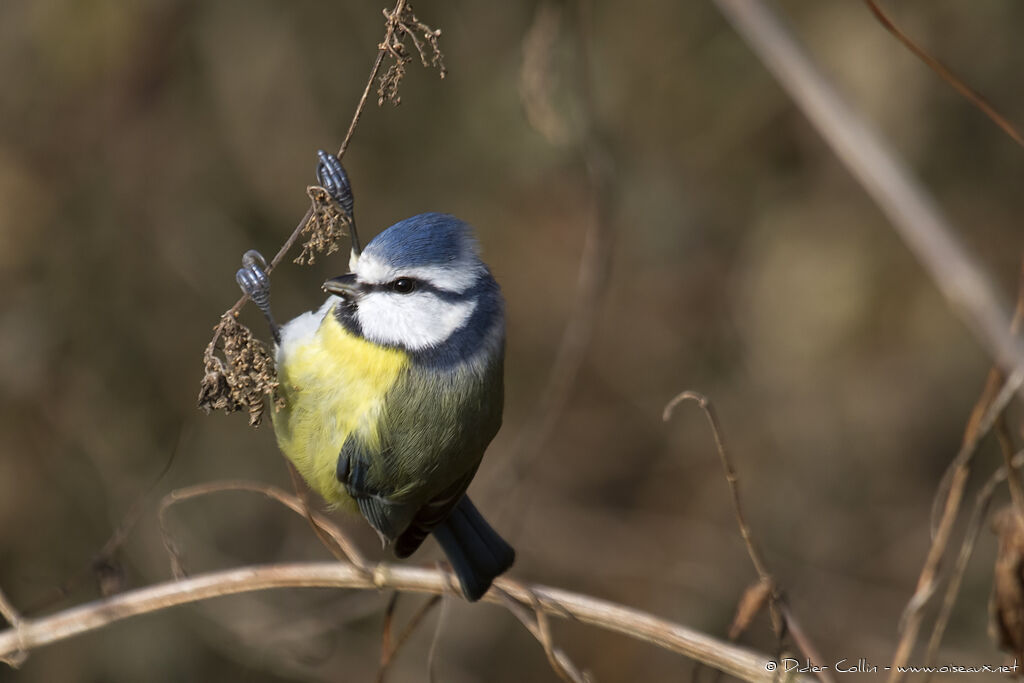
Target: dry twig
{"points": [[731, 659], [402, 24], [230, 388], [981, 506], [435, 642], [920, 223], [389, 650], [987, 412], [938, 67], [539, 627], [16, 656], [294, 503], [99, 564], [766, 587], [910, 209]]}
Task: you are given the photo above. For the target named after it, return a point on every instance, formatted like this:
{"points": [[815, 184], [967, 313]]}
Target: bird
{"points": [[391, 391]]}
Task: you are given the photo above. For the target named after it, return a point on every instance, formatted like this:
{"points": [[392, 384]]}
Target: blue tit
{"points": [[394, 387]]}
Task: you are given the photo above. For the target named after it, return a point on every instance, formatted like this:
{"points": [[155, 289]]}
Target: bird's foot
{"points": [[252, 278], [332, 177]]}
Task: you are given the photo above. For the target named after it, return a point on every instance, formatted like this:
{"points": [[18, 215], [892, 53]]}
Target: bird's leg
{"points": [[332, 177], [253, 279]]}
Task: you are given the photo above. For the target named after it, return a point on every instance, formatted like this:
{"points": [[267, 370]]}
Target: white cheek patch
{"points": [[414, 321]]}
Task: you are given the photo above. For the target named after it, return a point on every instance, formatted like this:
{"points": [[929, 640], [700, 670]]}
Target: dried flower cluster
{"points": [[402, 23], [243, 378], [243, 375], [325, 227]]}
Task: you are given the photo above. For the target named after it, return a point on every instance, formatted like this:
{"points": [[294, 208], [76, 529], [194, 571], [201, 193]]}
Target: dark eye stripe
{"points": [[421, 286]]}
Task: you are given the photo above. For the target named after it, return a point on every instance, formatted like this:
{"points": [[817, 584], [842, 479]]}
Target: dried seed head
{"points": [[401, 26], [243, 378], [326, 227]]}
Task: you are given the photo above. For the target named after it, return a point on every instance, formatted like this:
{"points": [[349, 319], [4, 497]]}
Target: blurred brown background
{"points": [[145, 146]]}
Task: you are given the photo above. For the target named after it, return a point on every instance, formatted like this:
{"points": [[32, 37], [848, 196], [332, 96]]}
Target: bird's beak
{"points": [[344, 286]]}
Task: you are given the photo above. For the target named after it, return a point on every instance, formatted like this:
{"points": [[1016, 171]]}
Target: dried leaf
{"points": [[753, 601], [1007, 603]]}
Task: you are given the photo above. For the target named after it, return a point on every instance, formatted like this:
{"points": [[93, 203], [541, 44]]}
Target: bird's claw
{"points": [[252, 278], [332, 177]]}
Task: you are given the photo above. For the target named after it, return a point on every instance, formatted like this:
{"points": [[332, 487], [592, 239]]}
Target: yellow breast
{"points": [[332, 383]]}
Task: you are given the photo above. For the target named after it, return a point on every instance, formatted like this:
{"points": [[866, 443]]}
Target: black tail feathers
{"points": [[476, 552]]}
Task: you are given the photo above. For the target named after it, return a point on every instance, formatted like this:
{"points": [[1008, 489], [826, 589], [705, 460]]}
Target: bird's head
{"points": [[418, 283]]}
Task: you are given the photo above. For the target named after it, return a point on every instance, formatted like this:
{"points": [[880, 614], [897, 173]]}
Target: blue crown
{"points": [[424, 240]]}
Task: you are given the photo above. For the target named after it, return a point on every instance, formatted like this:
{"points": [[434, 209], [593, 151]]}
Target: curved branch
{"points": [[33, 633]]}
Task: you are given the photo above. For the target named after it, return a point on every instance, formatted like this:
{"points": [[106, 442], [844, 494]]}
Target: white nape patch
{"points": [[301, 328], [414, 321], [456, 277]]}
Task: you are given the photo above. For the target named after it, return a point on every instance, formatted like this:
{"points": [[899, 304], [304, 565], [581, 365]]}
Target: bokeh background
{"points": [[144, 146]]}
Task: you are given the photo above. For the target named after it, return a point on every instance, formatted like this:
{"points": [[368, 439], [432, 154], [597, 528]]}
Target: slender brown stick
{"points": [[294, 503], [928, 580], [733, 660], [539, 627], [327, 532], [290, 242], [1003, 433], [7, 610], [983, 500], [938, 67], [775, 599], [730, 472], [987, 412], [435, 642], [993, 384], [116, 540], [912, 212], [389, 650]]}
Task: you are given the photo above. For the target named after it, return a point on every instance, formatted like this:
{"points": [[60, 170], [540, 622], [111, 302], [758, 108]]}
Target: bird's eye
{"points": [[403, 285]]}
